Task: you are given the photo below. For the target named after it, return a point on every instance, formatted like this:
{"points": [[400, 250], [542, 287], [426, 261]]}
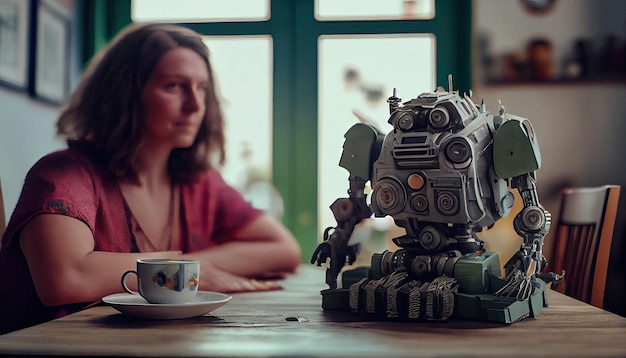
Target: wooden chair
{"points": [[583, 241]]}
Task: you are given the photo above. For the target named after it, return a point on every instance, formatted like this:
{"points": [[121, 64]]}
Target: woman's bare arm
{"points": [[66, 269], [64, 266]]}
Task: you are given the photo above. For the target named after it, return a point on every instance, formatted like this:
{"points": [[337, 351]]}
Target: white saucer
{"points": [[135, 305]]}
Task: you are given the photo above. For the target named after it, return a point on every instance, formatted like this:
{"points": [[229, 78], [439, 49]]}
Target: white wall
{"points": [[26, 133]]}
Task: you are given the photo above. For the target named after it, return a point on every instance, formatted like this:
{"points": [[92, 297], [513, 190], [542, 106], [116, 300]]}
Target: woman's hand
{"points": [[213, 279]]}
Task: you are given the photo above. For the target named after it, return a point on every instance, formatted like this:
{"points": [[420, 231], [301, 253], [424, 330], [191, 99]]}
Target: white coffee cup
{"points": [[165, 281]]}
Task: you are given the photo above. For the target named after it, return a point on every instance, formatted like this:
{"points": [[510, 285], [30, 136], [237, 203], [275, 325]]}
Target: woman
{"points": [[138, 180]]}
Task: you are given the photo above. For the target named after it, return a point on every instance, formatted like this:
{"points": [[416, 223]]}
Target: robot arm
{"points": [[532, 223], [361, 148], [516, 156]]}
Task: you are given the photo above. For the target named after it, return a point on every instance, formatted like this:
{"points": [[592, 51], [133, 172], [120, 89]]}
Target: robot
{"points": [[443, 174]]}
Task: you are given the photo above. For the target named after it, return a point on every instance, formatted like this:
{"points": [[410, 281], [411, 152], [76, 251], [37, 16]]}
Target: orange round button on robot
{"points": [[415, 181]]}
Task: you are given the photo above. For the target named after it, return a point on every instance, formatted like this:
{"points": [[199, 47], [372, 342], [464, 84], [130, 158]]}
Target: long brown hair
{"points": [[105, 115]]}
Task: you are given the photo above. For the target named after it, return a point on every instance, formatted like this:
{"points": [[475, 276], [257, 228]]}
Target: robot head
{"points": [[430, 112]]}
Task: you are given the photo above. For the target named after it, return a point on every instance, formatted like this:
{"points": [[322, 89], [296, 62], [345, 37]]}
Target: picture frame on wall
{"points": [[14, 47], [49, 71]]}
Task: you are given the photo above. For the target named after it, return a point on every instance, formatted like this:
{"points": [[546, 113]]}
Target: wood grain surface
{"points": [[291, 323]]}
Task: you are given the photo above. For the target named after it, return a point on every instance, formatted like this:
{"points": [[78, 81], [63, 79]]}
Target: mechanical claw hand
{"points": [[340, 254], [348, 212], [323, 250], [519, 284]]}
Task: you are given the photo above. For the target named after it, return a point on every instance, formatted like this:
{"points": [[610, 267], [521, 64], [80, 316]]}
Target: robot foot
{"points": [[402, 297]]}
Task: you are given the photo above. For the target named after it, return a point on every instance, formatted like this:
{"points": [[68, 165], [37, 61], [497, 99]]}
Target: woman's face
{"points": [[174, 99]]}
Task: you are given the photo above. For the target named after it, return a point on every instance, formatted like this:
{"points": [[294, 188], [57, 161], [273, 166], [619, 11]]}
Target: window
{"points": [[199, 11], [244, 89], [354, 87]]}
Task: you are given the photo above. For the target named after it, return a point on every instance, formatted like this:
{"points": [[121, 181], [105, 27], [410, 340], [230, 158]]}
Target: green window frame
{"points": [[295, 32]]}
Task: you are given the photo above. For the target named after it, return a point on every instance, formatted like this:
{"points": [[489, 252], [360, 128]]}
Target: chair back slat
{"points": [[3, 221], [590, 251], [604, 246], [581, 240]]}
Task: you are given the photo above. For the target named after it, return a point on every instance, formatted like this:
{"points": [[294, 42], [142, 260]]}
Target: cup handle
{"points": [[124, 281]]}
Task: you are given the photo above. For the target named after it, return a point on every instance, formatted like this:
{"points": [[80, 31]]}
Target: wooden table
{"points": [[264, 324]]}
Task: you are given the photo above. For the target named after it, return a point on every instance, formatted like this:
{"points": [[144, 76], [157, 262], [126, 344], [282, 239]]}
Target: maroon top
{"points": [[67, 182]]}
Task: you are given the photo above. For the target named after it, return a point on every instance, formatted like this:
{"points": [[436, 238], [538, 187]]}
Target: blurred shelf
{"points": [[618, 81]]}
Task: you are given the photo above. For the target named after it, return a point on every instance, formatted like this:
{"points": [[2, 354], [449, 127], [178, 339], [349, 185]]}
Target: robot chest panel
{"points": [[427, 195]]}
